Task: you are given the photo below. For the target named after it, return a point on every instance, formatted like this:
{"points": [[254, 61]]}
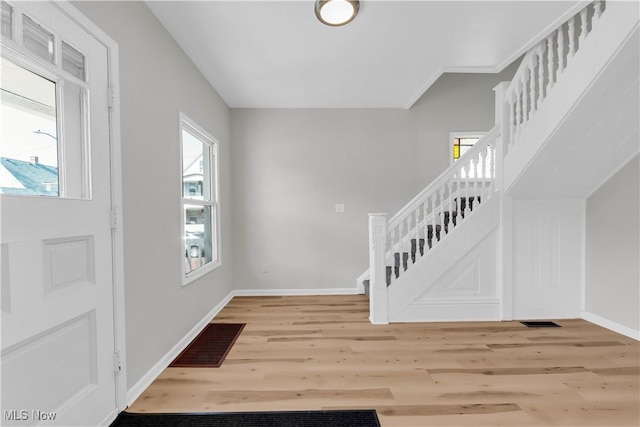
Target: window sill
{"points": [[196, 274]]}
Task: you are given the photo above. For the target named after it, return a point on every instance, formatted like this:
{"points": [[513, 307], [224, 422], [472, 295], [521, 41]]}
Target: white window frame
{"points": [[454, 135], [14, 51], [187, 124]]}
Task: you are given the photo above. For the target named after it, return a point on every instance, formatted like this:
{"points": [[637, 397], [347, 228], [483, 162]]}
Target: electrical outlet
{"points": [[340, 208], [265, 267]]}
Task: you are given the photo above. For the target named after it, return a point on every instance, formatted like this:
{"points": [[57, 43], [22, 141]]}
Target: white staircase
{"points": [[446, 255]]}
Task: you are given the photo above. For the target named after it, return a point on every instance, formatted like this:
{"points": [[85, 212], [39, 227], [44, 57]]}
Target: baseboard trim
{"points": [[138, 388], [294, 292], [611, 325], [468, 310], [109, 419]]}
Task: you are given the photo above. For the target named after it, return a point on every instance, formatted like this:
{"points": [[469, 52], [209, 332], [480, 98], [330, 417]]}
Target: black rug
{"points": [[210, 347], [347, 418]]}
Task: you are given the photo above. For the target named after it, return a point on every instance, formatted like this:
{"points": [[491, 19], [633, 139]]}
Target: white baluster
{"points": [[443, 220], [519, 115], [532, 88], [560, 33], [466, 190], [478, 176], [471, 182], [482, 171], [493, 165], [433, 220], [425, 228], [550, 62], [583, 25], [572, 36], [451, 213], [541, 50], [414, 236], [512, 119], [525, 98], [490, 167], [598, 8], [402, 229]]}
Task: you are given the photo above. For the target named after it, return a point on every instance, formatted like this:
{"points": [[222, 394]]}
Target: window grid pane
{"points": [[196, 171], [73, 61], [7, 20], [29, 149], [37, 39]]}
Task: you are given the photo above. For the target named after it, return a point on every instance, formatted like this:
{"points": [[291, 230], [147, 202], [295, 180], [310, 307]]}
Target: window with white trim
{"points": [[44, 105], [460, 143], [199, 207]]}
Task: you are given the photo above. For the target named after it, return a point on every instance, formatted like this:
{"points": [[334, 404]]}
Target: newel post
{"points": [[377, 268], [505, 240]]}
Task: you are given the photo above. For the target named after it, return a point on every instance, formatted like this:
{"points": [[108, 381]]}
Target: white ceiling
{"points": [[275, 54]]}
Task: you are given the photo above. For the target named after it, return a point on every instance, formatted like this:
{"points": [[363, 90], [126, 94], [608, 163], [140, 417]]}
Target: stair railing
{"points": [[395, 245], [543, 65]]}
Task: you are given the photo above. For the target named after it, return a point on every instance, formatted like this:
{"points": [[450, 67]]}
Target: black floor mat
{"points": [[346, 418]]}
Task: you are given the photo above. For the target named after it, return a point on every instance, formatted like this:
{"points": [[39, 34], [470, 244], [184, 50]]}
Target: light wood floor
{"points": [[307, 353]]}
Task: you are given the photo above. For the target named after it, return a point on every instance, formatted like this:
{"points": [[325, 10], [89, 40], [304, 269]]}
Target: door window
{"points": [[43, 105]]}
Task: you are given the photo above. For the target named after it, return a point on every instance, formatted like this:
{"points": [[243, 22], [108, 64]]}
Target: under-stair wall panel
{"points": [[457, 280], [548, 242], [612, 274]]}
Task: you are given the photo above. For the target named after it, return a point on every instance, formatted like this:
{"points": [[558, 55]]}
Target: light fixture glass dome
{"points": [[336, 12]]}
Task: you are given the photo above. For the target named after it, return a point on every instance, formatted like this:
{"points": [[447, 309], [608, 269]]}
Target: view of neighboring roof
{"points": [[28, 178]]}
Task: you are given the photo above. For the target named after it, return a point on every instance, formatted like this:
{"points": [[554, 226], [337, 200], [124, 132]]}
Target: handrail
{"points": [[443, 178]]}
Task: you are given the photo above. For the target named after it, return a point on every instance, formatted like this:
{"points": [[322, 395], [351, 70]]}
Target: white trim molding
{"points": [[139, 387], [294, 292], [113, 58], [611, 325]]}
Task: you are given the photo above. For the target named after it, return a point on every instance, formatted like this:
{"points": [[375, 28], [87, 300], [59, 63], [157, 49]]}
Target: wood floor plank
{"points": [[249, 396], [464, 409], [321, 352]]}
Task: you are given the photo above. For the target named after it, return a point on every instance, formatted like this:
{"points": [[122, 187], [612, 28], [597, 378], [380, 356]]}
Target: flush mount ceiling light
{"points": [[336, 12]]}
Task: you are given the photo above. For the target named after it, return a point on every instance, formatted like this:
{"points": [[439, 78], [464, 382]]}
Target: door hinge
{"points": [[117, 365], [113, 219], [111, 98]]}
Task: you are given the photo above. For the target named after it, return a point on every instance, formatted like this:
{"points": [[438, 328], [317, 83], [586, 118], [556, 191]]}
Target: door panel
{"points": [[57, 284]]}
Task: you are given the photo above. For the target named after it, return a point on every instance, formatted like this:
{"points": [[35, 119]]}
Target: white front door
{"points": [[56, 239]]}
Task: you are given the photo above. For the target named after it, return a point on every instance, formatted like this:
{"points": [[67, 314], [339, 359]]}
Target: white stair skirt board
{"points": [[457, 279], [612, 326]]}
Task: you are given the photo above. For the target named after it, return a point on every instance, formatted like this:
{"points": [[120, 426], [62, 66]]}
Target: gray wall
{"points": [[612, 255], [290, 168], [158, 80]]}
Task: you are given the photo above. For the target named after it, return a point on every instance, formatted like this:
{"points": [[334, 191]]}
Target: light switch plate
{"points": [[339, 207]]}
